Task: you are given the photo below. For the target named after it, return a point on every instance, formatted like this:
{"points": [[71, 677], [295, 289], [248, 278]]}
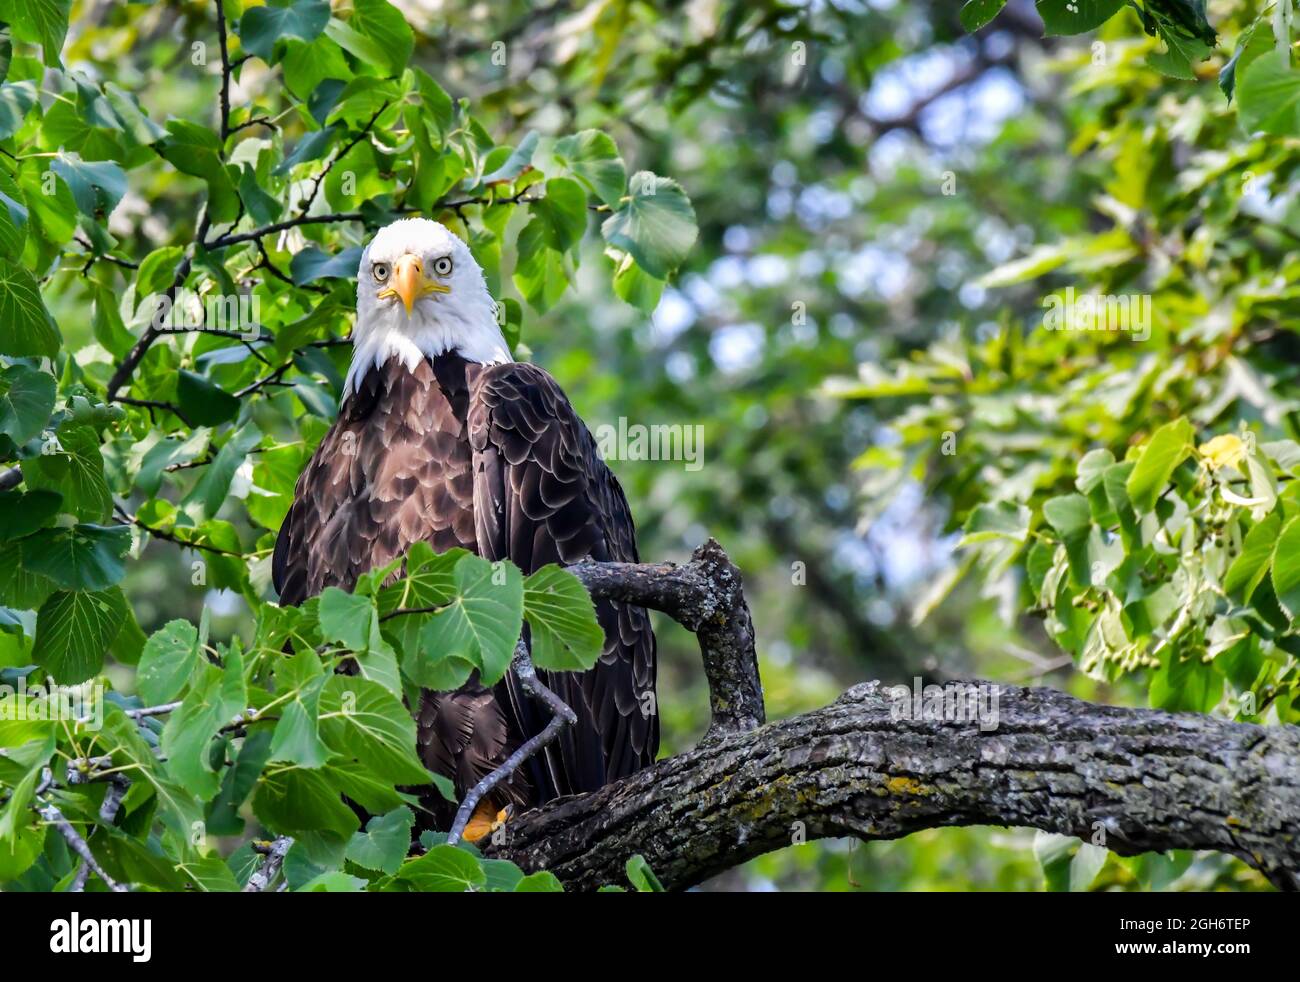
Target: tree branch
{"points": [[562, 716], [76, 842], [1144, 779], [270, 868], [873, 765], [705, 596], [225, 73]]}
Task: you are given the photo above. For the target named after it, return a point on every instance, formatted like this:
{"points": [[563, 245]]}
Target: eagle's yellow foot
{"points": [[483, 821]]}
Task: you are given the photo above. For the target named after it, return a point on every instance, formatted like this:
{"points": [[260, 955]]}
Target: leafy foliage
{"points": [[1163, 549], [206, 365]]}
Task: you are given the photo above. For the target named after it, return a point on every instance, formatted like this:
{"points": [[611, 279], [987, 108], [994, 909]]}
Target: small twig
{"points": [[224, 241], [152, 404], [225, 70], [270, 867], [123, 372], [433, 609], [187, 464], [320, 178], [274, 378], [259, 121], [124, 263], [167, 707], [10, 478], [108, 810], [172, 537], [562, 715], [49, 811]]}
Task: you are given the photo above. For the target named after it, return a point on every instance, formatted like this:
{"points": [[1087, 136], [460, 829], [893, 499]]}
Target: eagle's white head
{"points": [[420, 293]]}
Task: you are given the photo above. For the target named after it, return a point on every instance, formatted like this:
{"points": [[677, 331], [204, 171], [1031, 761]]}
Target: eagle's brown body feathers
{"points": [[491, 458]]}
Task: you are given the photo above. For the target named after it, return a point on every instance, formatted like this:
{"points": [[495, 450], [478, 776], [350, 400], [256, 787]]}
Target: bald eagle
{"points": [[443, 438]]}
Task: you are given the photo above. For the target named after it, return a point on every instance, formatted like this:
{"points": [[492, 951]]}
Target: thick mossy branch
{"points": [[1139, 780], [706, 596]]}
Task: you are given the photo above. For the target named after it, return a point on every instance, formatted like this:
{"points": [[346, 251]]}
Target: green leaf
{"points": [[384, 843], [565, 633], [363, 721], [642, 876], [976, 13], [514, 160], [592, 157], [126, 107], [1168, 447], [178, 809], [19, 851], [96, 186], [83, 557], [563, 213], [656, 224], [297, 734], [202, 402], [43, 22], [73, 630], [999, 520], [1075, 16], [237, 783], [443, 869], [26, 401], [312, 264], [23, 513], [430, 580], [211, 703], [637, 287], [16, 100], [1268, 95], [540, 274], [157, 272], [167, 662], [264, 208], [543, 881], [196, 150], [346, 618], [1180, 55], [16, 839], [28, 328], [75, 469], [1115, 483], [1286, 568], [377, 34], [292, 801], [1071, 517], [480, 624], [1092, 468], [261, 27], [1252, 564], [210, 491], [310, 147]]}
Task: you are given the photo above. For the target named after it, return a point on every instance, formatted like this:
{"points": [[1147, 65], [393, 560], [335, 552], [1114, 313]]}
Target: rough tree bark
{"points": [[1147, 780]]}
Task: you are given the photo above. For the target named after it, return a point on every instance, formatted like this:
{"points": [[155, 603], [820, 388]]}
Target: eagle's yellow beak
{"points": [[410, 283]]}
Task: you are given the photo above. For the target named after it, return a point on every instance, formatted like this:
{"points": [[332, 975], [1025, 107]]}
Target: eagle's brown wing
{"points": [[542, 494]]}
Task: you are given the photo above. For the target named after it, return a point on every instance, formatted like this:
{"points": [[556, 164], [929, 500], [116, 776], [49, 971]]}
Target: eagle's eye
{"points": [[442, 265], [381, 272]]}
